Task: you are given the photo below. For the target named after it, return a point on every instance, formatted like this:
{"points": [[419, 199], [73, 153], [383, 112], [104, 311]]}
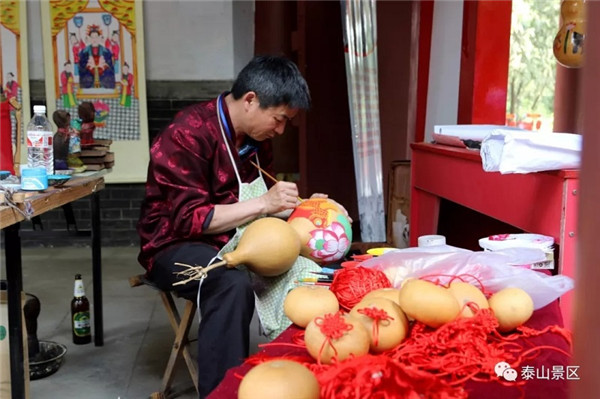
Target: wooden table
{"points": [[543, 203], [37, 204]]}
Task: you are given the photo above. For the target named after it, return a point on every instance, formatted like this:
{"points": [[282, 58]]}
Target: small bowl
{"points": [[58, 180], [51, 356]]}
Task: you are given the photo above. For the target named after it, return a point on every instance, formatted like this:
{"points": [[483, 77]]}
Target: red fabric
{"points": [[190, 171], [534, 388], [6, 156]]}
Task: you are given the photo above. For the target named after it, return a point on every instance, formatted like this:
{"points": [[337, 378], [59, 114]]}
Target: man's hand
{"points": [[282, 196]]}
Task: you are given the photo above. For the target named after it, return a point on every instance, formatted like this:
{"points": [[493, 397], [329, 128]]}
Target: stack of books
{"points": [[98, 156]]}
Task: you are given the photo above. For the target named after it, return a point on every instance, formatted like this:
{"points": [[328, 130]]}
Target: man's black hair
{"points": [[275, 80]]}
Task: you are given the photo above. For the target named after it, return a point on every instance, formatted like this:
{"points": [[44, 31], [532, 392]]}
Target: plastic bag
{"points": [[492, 270]]}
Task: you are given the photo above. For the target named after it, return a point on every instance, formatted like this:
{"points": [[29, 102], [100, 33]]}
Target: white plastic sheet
{"points": [[509, 151], [495, 270]]}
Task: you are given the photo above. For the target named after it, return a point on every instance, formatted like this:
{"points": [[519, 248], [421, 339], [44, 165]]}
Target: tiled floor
{"points": [[137, 333]]}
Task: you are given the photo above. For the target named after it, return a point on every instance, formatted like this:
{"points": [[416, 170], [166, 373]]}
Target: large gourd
{"points": [[269, 247]]}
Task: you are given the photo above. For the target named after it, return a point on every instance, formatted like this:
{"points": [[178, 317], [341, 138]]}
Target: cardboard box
{"points": [[5, 349]]}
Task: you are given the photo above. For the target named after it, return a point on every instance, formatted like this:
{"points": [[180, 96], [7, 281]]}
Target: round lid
{"points": [[501, 241], [39, 109]]}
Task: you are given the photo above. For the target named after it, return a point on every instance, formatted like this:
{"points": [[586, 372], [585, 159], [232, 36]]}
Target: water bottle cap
{"points": [[39, 109]]}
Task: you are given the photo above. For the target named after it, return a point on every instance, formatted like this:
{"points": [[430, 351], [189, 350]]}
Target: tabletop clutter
{"points": [[53, 157], [416, 321]]}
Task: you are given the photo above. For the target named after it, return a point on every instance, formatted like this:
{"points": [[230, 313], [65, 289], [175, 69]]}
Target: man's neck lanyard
{"points": [[224, 118], [249, 147]]}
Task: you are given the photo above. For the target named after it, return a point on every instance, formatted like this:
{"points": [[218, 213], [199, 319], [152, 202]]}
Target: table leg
{"points": [[14, 276], [97, 270], [424, 214]]}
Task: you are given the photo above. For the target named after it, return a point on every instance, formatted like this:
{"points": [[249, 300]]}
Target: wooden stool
{"points": [[181, 326]]}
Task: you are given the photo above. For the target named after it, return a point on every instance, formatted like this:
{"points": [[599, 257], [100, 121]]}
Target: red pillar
{"points": [[425, 27], [484, 62]]}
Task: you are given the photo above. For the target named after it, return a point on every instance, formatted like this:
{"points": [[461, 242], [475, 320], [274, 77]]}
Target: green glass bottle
{"points": [[80, 314]]}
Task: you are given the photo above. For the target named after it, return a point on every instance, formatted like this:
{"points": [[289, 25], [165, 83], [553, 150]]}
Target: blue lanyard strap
{"points": [[223, 117], [250, 147]]}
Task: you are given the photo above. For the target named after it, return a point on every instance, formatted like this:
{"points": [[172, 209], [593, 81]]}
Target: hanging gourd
{"points": [[568, 43], [269, 247]]}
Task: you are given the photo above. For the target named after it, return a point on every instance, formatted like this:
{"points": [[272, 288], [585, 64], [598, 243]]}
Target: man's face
{"points": [[266, 123]]}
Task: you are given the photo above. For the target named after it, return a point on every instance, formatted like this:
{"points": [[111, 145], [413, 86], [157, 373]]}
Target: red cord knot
{"points": [[333, 325], [377, 315]]}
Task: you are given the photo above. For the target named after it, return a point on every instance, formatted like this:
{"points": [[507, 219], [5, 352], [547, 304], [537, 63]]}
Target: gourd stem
{"points": [[196, 272]]}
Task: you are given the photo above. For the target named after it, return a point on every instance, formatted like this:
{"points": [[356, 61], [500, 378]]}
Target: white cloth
{"points": [[509, 151]]}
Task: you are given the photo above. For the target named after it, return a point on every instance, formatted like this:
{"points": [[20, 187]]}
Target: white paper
{"points": [[470, 132], [510, 151]]}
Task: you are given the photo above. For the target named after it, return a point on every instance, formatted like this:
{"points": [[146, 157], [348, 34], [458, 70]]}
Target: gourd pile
{"points": [[421, 339]]}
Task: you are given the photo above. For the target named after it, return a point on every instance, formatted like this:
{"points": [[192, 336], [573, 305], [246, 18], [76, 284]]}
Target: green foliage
{"points": [[532, 66]]}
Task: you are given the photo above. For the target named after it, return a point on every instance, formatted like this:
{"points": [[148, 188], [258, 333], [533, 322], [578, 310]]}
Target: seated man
{"points": [[201, 191]]}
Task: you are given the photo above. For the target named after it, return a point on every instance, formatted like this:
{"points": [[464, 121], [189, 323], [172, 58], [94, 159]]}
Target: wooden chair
{"points": [[181, 326]]}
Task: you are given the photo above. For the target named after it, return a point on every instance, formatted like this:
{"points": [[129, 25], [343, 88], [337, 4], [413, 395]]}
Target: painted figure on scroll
{"points": [[96, 68], [201, 192], [127, 86], [67, 86]]}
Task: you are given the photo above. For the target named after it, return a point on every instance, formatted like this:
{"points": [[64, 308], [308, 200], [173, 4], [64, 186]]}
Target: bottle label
{"points": [[81, 324], [79, 290], [39, 139]]}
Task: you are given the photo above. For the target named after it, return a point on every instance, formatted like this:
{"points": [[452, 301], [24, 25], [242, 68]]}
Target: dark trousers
{"points": [[226, 309]]}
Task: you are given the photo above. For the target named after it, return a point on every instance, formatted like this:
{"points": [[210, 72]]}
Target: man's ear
{"points": [[250, 100]]}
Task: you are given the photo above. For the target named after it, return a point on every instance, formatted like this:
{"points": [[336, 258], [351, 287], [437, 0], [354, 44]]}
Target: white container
{"points": [[503, 241], [431, 240], [40, 152]]}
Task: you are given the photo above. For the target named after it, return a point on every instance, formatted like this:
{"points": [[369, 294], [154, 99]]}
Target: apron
{"points": [[269, 292]]}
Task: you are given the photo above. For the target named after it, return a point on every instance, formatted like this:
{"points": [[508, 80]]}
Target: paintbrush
{"points": [[269, 176]]}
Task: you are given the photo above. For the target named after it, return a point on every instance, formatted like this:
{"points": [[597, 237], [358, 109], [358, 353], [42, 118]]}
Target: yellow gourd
{"points": [[512, 307], [389, 332], [354, 341], [278, 379], [304, 303], [269, 247], [393, 294], [428, 303], [466, 293]]}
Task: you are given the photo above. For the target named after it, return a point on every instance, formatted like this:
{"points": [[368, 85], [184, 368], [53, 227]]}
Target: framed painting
{"points": [[94, 53], [14, 72]]}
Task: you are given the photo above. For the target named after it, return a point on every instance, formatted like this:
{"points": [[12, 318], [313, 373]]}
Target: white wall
{"points": [[184, 39], [444, 66]]}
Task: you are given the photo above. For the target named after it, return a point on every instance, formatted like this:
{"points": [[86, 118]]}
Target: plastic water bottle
{"points": [[39, 141]]}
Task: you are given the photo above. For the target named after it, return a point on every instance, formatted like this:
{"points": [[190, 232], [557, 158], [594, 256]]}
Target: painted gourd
{"points": [[568, 43], [325, 231]]}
